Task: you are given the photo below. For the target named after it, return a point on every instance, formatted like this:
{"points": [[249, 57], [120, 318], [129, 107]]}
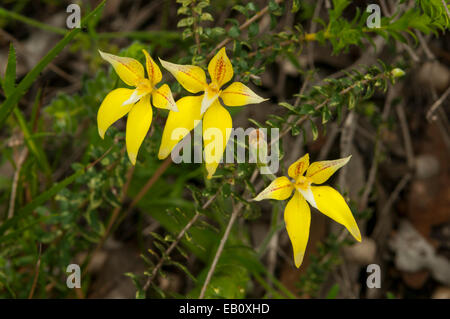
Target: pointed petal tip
{"points": [[163, 153], [356, 234], [163, 62], [101, 133], [298, 259], [132, 158]]}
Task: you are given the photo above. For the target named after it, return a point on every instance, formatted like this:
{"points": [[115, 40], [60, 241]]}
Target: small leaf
{"points": [[206, 17], [290, 107], [333, 292], [10, 75], [314, 130], [234, 32], [295, 6]]}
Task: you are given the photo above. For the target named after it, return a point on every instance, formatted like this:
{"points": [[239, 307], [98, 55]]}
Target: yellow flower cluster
{"points": [[189, 110]]}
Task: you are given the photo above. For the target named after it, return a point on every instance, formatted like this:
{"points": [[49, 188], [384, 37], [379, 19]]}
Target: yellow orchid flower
{"points": [[135, 102], [205, 106], [297, 214]]}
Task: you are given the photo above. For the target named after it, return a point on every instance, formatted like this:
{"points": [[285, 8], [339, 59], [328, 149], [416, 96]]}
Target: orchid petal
{"points": [[138, 124], [163, 99], [237, 94], [299, 167], [297, 216], [319, 172], [129, 70], [153, 71], [112, 109], [179, 123], [191, 77], [280, 189], [217, 126], [220, 68], [332, 204]]}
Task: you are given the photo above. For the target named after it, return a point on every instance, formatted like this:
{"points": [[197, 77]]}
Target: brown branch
{"points": [[244, 26], [161, 169], [436, 104], [387, 207], [36, 275], [321, 105], [224, 239], [400, 109], [22, 156], [196, 34]]}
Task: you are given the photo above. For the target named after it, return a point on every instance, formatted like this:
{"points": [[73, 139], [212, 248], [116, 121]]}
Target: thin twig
{"points": [[399, 108], [224, 239], [387, 207], [196, 33], [161, 169], [425, 47], [436, 104], [313, 29], [347, 136], [377, 150], [321, 105], [12, 200], [36, 275], [175, 243], [446, 8]]}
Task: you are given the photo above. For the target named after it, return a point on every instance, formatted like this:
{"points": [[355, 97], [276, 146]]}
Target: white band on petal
{"points": [[208, 99], [134, 97], [308, 195]]}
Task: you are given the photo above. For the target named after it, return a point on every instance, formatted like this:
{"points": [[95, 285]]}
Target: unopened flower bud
{"points": [[258, 146], [397, 72]]}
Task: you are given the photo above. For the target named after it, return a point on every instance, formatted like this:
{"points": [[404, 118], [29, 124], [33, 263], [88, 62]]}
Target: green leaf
{"points": [[9, 81], [314, 130], [253, 30], [295, 6], [36, 150], [12, 100], [41, 199], [290, 107], [234, 32], [206, 17], [333, 292]]}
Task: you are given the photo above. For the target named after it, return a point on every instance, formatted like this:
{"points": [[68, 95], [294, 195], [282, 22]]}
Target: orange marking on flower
{"points": [[131, 70], [219, 71], [193, 77], [299, 169], [163, 95], [151, 69], [279, 187], [240, 93], [323, 168]]}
